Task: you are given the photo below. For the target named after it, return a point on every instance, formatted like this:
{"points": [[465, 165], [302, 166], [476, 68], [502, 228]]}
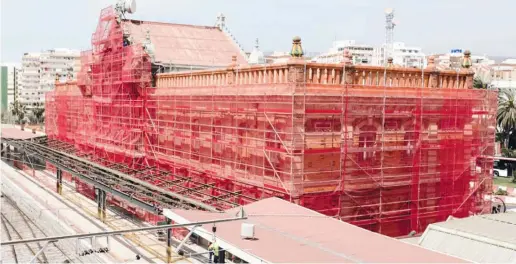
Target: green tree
{"points": [[501, 137], [32, 118], [479, 84], [39, 113], [506, 122], [18, 110], [506, 114]]}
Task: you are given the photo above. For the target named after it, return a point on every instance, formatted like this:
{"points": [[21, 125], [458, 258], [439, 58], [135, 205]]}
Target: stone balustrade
{"points": [[318, 73]]}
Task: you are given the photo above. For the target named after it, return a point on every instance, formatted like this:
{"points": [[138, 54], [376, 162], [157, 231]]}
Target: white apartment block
{"points": [[277, 57], [504, 76], [360, 53], [370, 55], [39, 71], [402, 55]]}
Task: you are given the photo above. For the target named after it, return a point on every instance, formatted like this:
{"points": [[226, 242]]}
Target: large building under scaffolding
{"points": [[389, 149]]}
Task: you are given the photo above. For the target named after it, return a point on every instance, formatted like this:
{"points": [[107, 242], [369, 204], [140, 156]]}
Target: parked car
{"points": [[500, 169]]}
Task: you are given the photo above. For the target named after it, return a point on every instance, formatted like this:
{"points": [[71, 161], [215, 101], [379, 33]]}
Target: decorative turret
{"points": [[221, 24], [347, 59], [431, 64], [466, 68], [256, 56], [221, 21], [390, 63], [297, 50], [466, 61]]}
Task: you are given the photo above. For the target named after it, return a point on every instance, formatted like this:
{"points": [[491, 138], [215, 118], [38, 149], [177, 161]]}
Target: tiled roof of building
{"points": [[186, 44], [481, 238], [289, 233]]}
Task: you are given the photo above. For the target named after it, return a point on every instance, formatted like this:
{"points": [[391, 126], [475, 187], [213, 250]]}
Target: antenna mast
{"points": [[389, 33]]}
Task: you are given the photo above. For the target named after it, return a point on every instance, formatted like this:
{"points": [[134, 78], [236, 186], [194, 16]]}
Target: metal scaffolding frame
{"points": [[126, 183], [390, 149]]}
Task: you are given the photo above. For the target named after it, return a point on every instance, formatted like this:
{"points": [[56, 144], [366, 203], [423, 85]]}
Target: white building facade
{"points": [[402, 55], [365, 54], [360, 53], [504, 76], [277, 57], [39, 71]]}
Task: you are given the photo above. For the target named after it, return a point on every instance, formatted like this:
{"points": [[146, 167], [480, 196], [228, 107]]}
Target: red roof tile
{"points": [[287, 232], [186, 44]]}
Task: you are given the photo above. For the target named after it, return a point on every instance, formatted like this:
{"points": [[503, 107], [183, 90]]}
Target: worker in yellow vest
{"points": [[214, 247]]}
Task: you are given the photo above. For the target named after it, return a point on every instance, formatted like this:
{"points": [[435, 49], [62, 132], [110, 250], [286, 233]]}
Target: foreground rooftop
{"points": [[288, 233], [482, 238]]}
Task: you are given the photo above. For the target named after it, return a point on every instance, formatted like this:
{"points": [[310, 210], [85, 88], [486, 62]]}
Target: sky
{"points": [[484, 27]]}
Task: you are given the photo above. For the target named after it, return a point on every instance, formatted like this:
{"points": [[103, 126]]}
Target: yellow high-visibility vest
{"points": [[215, 248]]}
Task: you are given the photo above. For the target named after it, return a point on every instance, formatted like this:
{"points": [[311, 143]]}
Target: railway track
{"points": [[16, 225], [118, 219]]}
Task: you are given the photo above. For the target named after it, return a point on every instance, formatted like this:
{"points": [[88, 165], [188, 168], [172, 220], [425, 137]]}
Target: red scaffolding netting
{"points": [[386, 158]]}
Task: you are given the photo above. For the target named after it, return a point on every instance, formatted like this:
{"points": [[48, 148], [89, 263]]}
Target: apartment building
{"points": [[453, 59], [365, 54], [361, 53], [504, 75], [402, 55], [39, 72], [8, 84]]}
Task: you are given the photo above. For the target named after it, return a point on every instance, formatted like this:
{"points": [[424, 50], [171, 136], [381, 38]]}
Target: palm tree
{"points": [[39, 113], [18, 110], [479, 84], [506, 115]]}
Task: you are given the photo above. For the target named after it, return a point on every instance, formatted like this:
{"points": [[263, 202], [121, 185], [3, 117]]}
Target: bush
{"points": [[501, 192]]}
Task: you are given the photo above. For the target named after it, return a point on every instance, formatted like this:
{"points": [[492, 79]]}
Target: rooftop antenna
{"points": [[389, 32], [125, 6]]}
